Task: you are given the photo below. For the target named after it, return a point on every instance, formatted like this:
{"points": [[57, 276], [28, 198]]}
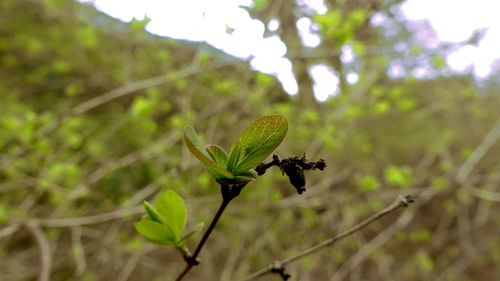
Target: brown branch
{"points": [[192, 260], [44, 248], [402, 201], [142, 84], [76, 221]]}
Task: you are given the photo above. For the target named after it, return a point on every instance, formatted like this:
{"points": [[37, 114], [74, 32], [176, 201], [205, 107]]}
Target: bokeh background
{"points": [[92, 111]]}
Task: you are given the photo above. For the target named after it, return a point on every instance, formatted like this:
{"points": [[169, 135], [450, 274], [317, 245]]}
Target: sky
{"points": [[204, 20]]}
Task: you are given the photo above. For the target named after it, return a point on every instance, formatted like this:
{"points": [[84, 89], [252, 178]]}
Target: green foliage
{"points": [[368, 183], [194, 145], [256, 142], [377, 136], [166, 220], [398, 176]]}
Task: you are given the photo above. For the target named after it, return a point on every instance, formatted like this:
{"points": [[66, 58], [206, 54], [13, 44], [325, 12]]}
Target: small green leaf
{"points": [[172, 210], [193, 144], [218, 154], [256, 142], [156, 232], [152, 212]]}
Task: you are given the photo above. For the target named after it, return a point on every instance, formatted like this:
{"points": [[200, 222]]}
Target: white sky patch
{"points": [[273, 24], [209, 20], [347, 54], [305, 27], [352, 78], [455, 21], [326, 82]]}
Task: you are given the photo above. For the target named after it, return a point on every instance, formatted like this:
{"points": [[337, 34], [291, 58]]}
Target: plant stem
{"points": [[211, 227], [192, 260]]}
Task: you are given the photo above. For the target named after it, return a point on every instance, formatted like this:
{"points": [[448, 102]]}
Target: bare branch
{"points": [[76, 221], [402, 201], [142, 84], [488, 141], [44, 248]]}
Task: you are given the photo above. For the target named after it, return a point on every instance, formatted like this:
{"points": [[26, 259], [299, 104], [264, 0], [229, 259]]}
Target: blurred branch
{"points": [[486, 194], [78, 250], [478, 153], [364, 252], [402, 201], [8, 230], [77, 221], [44, 248], [463, 218], [143, 84], [131, 264]]}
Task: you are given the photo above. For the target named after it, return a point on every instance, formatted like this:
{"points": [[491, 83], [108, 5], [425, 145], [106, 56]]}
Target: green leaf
{"points": [[156, 232], [256, 142], [152, 212], [193, 144], [172, 210], [218, 154]]}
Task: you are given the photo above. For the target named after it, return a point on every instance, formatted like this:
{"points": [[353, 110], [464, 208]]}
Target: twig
{"points": [[9, 230], [402, 201], [78, 250], [478, 153], [76, 221], [44, 248], [192, 260], [372, 245], [142, 84]]}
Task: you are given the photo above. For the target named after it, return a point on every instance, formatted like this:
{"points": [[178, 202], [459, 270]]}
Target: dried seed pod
{"points": [[295, 173]]}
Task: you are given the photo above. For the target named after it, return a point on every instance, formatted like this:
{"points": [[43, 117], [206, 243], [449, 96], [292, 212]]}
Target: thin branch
{"points": [[78, 250], [77, 221], [488, 141], [142, 84], [9, 230], [192, 260], [402, 201], [44, 248]]}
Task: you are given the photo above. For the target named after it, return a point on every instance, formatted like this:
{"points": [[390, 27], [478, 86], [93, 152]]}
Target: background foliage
{"points": [[92, 113]]}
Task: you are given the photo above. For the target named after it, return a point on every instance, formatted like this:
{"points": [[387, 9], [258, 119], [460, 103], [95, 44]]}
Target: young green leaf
{"points": [[172, 210], [193, 144], [256, 142], [156, 232], [152, 212], [218, 154]]}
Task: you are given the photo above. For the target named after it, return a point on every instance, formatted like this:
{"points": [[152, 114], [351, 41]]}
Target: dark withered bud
{"points": [[295, 173]]}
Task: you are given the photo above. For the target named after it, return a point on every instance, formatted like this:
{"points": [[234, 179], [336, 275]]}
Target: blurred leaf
{"points": [[425, 261], [368, 183], [399, 176], [256, 142]]}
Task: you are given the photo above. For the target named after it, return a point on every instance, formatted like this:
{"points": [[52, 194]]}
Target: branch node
{"points": [[406, 199], [191, 260], [278, 268]]}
